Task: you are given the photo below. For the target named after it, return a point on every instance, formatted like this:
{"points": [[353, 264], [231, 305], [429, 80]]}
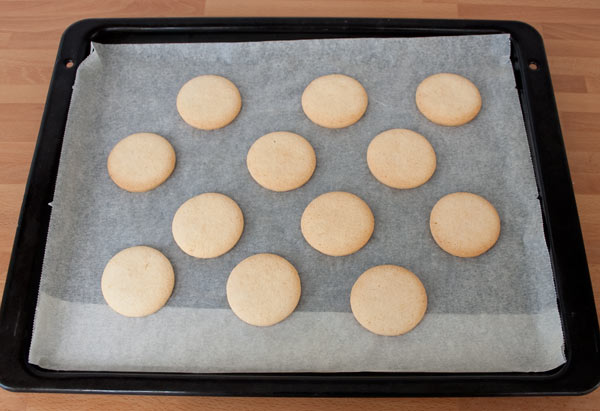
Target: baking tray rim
{"points": [[581, 372]]}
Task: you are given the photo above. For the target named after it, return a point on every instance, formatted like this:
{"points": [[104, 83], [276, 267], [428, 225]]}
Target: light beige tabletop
{"points": [[29, 34]]}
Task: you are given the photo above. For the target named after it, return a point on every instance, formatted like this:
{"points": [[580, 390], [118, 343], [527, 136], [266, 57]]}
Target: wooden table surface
{"points": [[29, 34]]}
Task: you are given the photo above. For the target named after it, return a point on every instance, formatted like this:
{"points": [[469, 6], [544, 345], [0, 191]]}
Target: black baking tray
{"points": [[581, 372]]}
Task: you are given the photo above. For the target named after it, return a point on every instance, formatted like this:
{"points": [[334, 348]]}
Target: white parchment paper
{"points": [[496, 312]]}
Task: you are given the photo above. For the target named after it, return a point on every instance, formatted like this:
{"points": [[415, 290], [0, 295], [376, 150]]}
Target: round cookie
{"points": [[208, 225], [334, 101], [464, 224], [448, 99], [137, 281], [337, 223], [401, 158], [263, 289], [388, 300], [281, 161], [209, 102], [141, 162]]}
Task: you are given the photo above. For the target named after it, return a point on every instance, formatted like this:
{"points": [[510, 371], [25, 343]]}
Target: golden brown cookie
{"points": [[209, 102], [208, 225], [464, 224], [334, 101], [448, 99], [141, 162], [401, 158], [137, 281], [337, 223], [263, 289], [281, 161], [388, 300]]}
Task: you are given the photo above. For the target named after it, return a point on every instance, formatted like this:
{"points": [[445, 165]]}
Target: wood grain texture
{"points": [[29, 34]]}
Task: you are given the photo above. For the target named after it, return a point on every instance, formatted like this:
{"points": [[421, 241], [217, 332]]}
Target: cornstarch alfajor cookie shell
{"points": [[334, 101], [137, 281], [141, 162], [464, 224], [401, 158], [263, 289], [209, 102], [448, 99], [208, 225], [388, 300], [337, 223], [281, 161]]}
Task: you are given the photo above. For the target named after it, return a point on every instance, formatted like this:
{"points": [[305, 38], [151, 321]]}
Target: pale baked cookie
{"points": [[281, 161], [401, 158], [209, 102], [208, 225], [388, 300], [464, 224], [263, 289], [334, 101], [137, 281], [337, 223], [448, 99], [141, 162]]}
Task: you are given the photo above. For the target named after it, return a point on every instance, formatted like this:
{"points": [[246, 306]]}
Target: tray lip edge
{"points": [[79, 32]]}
